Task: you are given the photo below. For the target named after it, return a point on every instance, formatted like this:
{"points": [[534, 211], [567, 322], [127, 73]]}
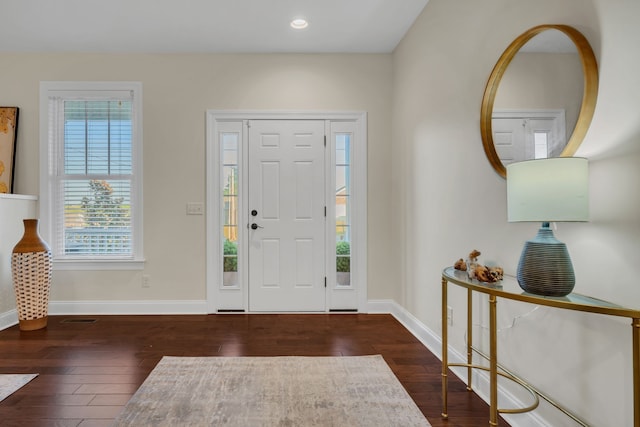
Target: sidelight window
{"points": [[541, 145], [230, 193], [343, 208]]}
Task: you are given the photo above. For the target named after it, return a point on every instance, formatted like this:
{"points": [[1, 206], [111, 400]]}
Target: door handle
{"points": [[255, 226]]}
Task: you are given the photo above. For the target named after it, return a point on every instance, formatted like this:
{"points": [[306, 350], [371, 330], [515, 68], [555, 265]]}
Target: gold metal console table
{"points": [[508, 288]]}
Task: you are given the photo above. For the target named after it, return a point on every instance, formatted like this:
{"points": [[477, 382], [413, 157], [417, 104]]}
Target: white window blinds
{"points": [[92, 172]]}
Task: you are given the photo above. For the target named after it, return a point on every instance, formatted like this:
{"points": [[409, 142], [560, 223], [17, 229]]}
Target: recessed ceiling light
{"points": [[299, 24]]}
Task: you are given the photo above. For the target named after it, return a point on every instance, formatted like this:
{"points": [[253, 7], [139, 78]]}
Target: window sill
{"points": [[97, 265]]}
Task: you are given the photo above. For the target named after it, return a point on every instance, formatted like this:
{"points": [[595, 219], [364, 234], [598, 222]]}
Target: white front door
{"points": [[286, 205]]}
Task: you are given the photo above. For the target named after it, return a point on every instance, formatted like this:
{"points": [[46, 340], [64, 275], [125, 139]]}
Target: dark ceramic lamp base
{"points": [[545, 266]]}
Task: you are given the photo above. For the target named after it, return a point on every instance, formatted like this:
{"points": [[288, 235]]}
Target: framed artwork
{"points": [[8, 134]]}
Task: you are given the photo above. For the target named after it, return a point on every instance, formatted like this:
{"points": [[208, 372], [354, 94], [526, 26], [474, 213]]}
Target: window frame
{"points": [[50, 161]]}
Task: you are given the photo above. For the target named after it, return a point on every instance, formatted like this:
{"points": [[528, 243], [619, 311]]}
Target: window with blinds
{"points": [[93, 179]]}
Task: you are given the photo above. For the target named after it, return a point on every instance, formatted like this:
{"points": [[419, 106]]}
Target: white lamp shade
{"points": [[548, 190]]}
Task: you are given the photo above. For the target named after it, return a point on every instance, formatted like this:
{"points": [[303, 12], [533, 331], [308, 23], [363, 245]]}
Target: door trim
{"points": [[217, 119]]}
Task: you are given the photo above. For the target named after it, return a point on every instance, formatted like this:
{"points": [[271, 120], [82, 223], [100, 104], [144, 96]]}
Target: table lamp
{"points": [[547, 190]]}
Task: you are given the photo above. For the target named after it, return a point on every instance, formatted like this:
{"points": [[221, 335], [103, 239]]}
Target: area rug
{"points": [[272, 391], [10, 383]]}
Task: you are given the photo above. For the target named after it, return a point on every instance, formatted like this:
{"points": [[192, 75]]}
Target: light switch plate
{"points": [[194, 208]]}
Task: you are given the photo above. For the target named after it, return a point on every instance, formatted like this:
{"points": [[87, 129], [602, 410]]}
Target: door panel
{"points": [[268, 190], [509, 136], [286, 188]]}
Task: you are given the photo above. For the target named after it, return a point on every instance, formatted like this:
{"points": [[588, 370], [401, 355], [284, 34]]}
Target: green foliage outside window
{"points": [[230, 256], [101, 209], [343, 260]]}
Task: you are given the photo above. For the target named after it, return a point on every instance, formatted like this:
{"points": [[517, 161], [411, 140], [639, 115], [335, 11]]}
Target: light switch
{"points": [[195, 208]]}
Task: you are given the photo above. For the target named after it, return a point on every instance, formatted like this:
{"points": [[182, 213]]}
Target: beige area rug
{"points": [[272, 391], [10, 383]]}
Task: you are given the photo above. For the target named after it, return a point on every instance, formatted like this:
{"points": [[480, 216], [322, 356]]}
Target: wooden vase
{"points": [[31, 267]]}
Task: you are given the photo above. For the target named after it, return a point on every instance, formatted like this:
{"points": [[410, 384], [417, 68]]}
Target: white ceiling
{"points": [[195, 26]]}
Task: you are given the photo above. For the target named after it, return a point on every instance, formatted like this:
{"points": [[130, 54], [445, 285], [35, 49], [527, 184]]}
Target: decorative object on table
{"points": [[31, 269], [486, 274], [478, 271], [472, 263], [8, 134], [547, 190], [460, 265], [496, 273]]}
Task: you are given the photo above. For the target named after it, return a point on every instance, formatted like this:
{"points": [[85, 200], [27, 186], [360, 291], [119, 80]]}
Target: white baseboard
{"points": [[8, 319], [409, 321], [480, 378]]}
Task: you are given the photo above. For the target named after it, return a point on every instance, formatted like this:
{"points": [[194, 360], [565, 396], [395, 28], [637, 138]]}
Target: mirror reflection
{"points": [[538, 100]]}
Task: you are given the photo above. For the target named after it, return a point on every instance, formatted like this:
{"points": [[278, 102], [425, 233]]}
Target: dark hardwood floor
{"points": [[89, 370]]}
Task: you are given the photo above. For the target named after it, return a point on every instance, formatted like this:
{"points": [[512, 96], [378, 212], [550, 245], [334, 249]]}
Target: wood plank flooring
{"points": [[89, 370]]}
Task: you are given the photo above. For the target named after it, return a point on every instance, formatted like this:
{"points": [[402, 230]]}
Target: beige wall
{"points": [[455, 202], [177, 91]]}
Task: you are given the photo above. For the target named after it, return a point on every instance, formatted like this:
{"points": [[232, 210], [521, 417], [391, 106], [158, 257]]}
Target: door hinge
{"points": [[325, 211], [325, 281], [325, 140]]}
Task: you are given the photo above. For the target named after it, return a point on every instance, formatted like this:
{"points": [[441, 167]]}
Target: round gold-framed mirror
{"points": [[584, 106]]}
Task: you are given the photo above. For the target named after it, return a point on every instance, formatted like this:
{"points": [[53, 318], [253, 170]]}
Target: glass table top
{"points": [[509, 288]]}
